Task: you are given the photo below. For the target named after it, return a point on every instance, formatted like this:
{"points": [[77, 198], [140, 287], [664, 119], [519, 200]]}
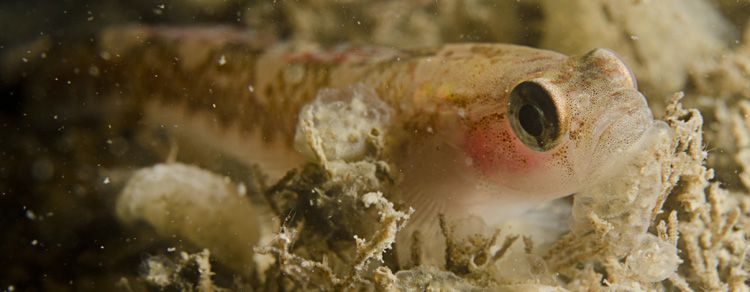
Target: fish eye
{"points": [[534, 116]]}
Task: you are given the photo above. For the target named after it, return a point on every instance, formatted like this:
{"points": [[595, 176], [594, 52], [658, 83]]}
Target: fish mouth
{"points": [[624, 131], [620, 129]]}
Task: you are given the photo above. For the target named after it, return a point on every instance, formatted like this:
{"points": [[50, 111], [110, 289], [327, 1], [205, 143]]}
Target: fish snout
{"points": [[625, 120]]}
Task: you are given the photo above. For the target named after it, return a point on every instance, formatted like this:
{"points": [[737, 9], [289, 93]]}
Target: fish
{"points": [[477, 129]]}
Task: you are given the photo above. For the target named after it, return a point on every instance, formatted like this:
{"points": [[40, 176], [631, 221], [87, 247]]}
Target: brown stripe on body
{"points": [[188, 72], [258, 86], [239, 82], [233, 83]]}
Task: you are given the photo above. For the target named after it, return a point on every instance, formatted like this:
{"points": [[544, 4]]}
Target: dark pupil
{"points": [[534, 116], [531, 120]]}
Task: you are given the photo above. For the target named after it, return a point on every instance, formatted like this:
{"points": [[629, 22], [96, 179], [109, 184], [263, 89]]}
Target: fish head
{"points": [[554, 124]]}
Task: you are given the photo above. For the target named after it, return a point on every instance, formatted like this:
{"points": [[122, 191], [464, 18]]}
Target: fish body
{"points": [[477, 129]]}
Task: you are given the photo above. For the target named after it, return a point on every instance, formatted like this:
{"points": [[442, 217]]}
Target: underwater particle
{"points": [[462, 113], [94, 71], [30, 215], [222, 60], [118, 146], [241, 189], [42, 169], [159, 10], [105, 55]]}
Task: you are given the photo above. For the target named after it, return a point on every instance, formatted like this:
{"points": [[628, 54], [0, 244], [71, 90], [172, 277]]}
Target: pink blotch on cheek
{"points": [[495, 149]]}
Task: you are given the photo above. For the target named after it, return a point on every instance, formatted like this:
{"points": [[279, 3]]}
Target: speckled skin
{"points": [[451, 139]]}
